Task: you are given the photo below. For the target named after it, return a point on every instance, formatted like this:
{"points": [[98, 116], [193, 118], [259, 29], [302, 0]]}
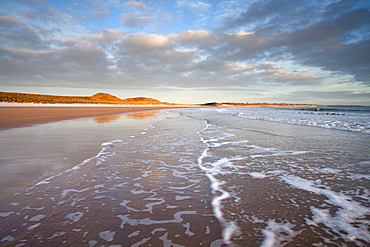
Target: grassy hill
{"points": [[104, 98], [99, 98]]}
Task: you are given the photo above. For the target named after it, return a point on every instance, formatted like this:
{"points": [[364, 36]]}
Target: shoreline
{"points": [[39, 151], [16, 115], [23, 116]]}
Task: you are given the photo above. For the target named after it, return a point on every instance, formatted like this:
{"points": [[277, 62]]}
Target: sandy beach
{"points": [[40, 141], [189, 177], [41, 153], [18, 116]]}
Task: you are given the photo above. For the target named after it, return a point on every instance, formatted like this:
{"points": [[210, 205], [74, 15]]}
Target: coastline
{"points": [[148, 183], [46, 148], [15, 116]]}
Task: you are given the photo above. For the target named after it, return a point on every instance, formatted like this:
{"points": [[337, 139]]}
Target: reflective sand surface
{"points": [[30, 154], [202, 177]]}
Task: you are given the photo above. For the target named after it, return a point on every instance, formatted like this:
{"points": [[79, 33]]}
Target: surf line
{"points": [[211, 169]]}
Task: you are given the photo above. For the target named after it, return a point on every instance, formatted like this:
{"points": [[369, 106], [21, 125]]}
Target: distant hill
{"points": [[105, 97], [99, 98], [142, 100]]}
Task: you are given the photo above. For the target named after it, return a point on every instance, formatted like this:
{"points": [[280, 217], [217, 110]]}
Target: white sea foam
{"points": [[359, 176], [66, 191], [147, 221], [134, 234], [33, 226], [107, 235], [168, 242], [224, 155], [100, 157], [277, 234], [135, 192], [57, 234], [350, 227], [37, 209], [92, 243], [230, 228], [180, 198], [75, 216], [7, 239], [45, 181], [124, 204], [150, 206], [141, 242], [330, 170], [161, 229], [187, 231], [226, 165], [37, 217], [342, 118], [5, 214], [257, 174], [348, 221], [358, 122]]}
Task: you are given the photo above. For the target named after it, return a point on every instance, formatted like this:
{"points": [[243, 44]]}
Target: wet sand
{"points": [[33, 153], [193, 178], [135, 192], [18, 116]]}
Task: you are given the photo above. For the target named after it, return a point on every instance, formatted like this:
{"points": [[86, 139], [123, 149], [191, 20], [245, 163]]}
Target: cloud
{"points": [[276, 15], [328, 45], [267, 73], [240, 46], [92, 10], [144, 44], [71, 42], [212, 64], [62, 24], [47, 47], [101, 11], [73, 66], [165, 16], [145, 60], [328, 36], [106, 38], [140, 17], [136, 21], [226, 10], [338, 96], [30, 2], [193, 5], [199, 38], [138, 5], [15, 33]]}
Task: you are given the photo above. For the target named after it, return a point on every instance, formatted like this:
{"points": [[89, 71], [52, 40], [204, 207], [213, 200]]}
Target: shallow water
{"points": [[288, 184], [204, 177], [30, 154]]}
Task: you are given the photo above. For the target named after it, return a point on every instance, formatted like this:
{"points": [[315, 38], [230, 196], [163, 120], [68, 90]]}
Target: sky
{"points": [[189, 51]]}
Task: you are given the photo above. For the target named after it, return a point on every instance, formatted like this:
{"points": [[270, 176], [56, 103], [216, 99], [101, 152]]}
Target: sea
{"points": [[217, 176]]}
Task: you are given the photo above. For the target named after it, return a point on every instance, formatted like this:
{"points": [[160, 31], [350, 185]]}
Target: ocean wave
{"points": [[352, 120]]}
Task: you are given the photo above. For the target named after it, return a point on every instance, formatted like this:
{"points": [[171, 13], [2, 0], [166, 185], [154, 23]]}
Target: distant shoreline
{"points": [[18, 116], [21, 110], [105, 99], [15, 115], [13, 104]]}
